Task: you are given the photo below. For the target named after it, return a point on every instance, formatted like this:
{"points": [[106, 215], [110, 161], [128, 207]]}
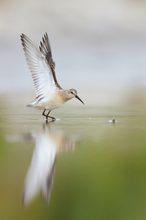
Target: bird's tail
{"points": [[29, 105], [32, 104]]}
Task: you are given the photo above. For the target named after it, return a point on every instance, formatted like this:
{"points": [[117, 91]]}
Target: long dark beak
{"points": [[79, 99]]}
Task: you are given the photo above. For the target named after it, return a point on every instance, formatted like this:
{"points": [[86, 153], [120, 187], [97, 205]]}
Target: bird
{"points": [[49, 95]]}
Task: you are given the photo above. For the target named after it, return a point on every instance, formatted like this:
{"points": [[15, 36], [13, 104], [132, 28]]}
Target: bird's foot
{"points": [[52, 119]]}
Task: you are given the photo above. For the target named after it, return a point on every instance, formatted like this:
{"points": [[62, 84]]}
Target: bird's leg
{"points": [[47, 116], [44, 113]]}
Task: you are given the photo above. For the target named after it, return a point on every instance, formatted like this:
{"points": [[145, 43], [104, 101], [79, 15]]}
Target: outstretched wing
{"points": [[45, 49], [41, 72]]}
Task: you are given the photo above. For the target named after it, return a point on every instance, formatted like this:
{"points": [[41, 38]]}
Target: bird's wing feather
{"points": [[41, 72], [45, 49]]}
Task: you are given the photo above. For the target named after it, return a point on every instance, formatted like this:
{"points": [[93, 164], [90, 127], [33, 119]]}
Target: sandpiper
{"points": [[49, 94]]}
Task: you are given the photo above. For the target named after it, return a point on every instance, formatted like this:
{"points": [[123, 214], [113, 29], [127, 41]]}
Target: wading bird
{"points": [[49, 94]]}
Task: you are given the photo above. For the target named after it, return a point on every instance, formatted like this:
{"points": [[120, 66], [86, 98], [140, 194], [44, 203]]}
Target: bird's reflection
{"points": [[48, 145]]}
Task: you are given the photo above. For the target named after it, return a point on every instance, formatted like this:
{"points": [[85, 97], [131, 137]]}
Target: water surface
{"points": [[79, 167]]}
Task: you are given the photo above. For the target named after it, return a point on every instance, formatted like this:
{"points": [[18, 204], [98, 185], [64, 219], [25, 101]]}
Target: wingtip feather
{"points": [[23, 37]]}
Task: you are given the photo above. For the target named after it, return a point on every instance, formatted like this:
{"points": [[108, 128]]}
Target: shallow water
{"points": [[80, 167]]}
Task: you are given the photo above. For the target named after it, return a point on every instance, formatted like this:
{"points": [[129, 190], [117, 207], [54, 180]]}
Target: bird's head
{"points": [[72, 93]]}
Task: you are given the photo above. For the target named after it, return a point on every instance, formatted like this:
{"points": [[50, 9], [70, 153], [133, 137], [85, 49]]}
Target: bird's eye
{"points": [[72, 93]]}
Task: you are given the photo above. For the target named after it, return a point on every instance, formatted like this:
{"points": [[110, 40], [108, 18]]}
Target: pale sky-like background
{"points": [[99, 46]]}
